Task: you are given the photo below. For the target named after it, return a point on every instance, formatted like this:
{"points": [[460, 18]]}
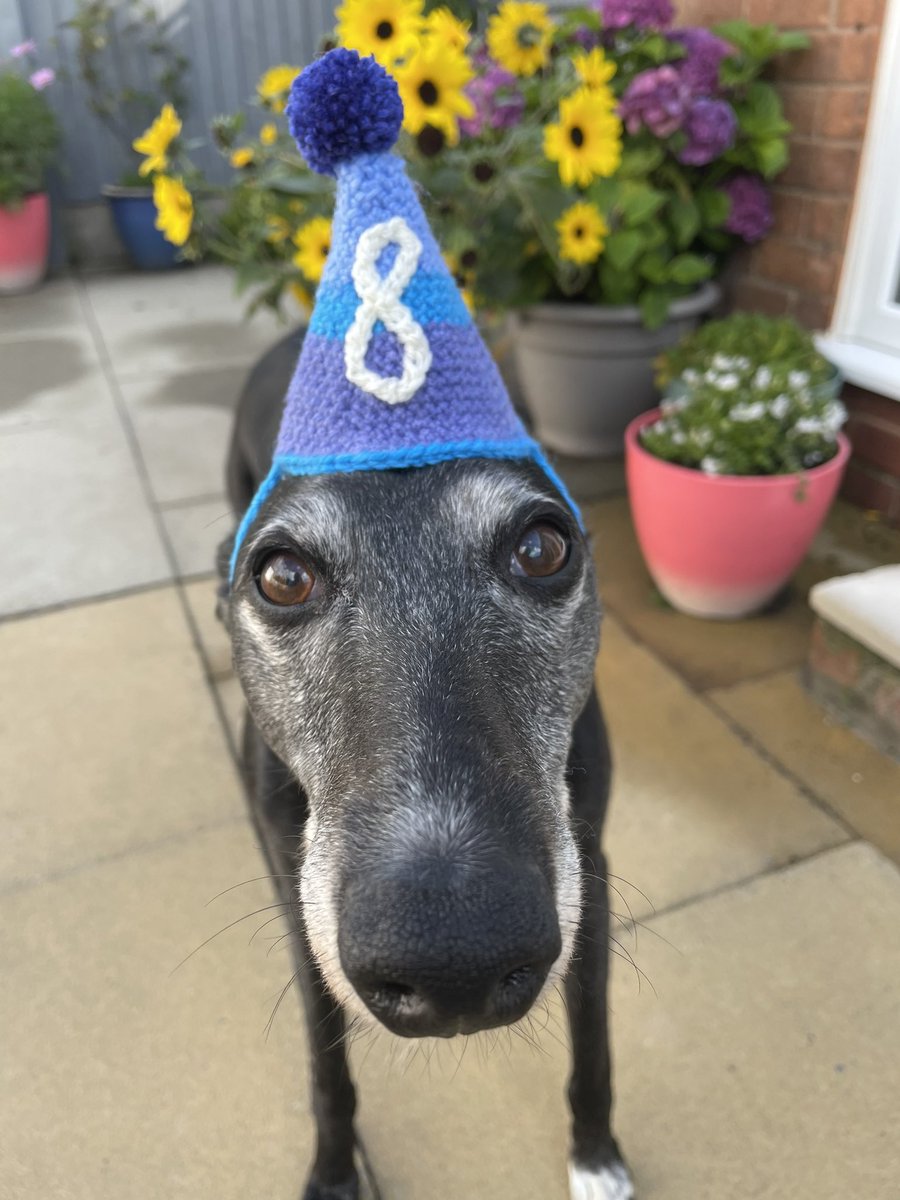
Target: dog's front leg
{"points": [[596, 1170], [278, 807]]}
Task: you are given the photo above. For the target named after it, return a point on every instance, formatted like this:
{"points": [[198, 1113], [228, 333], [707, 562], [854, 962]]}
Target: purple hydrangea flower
{"points": [[498, 104], [710, 126], [586, 38], [703, 53], [750, 216], [42, 78], [22, 49], [658, 99], [644, 14]]}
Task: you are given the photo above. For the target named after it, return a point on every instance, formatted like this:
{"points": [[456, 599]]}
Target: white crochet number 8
{"points": [[380, 300]]}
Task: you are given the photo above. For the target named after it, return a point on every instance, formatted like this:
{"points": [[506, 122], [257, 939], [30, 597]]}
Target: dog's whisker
{"points": [[234, 886], [284, 991], [266, 908]]}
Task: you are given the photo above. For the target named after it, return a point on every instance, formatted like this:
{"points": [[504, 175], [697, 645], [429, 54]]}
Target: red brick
{"points": [[825, 221], [708, 12], [789, 14], [821, 167], [787, 262], [857, 13], [813, 310], [873, 490], [875, 443], [871, 404], [801, 105], [788, 209], [846, 56], [843, 113], [757, 295]]}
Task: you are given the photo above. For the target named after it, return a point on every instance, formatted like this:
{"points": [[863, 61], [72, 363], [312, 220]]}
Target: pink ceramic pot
{"points": [[724, 545], [24, 243]]}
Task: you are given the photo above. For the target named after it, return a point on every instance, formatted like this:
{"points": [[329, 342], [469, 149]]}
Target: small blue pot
{"points": [[134, 215]]}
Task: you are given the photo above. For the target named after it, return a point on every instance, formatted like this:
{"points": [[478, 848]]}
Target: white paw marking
{"points": [[609, 1183], [380, 300]]}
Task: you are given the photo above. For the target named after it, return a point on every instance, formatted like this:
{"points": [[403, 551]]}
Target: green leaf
{"points": [[654, 306], [623, 247], [654, 267], [771, 156], [617, 287], [684, 217], [714, 206], [639, 202], [639, 161], [689, 268]]}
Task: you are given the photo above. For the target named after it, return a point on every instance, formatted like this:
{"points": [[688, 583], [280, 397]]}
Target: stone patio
{"points": [[757, 1052]]}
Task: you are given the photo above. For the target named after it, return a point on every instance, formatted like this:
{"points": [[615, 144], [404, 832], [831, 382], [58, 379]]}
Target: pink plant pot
{"points": [[24, 244], [723, 546]]}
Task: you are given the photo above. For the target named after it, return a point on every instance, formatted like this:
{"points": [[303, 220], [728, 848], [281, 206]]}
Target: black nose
{"points": [[434, 950]]}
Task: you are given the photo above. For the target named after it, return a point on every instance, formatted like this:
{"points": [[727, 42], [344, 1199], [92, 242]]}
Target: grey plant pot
{"points": [[586, 370]]}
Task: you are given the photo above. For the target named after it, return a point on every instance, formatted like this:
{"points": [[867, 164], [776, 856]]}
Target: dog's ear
{"points": [[223, 591]]}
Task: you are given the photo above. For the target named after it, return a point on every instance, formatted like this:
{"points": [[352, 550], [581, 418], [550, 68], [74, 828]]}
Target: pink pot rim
{"points": [[632, 443]]}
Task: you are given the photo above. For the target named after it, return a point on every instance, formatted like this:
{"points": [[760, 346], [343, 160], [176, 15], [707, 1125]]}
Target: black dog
{"points": [[417, 652]]}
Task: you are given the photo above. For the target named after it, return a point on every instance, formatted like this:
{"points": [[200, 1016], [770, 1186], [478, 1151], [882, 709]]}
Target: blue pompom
{"points": [[342, 106]]}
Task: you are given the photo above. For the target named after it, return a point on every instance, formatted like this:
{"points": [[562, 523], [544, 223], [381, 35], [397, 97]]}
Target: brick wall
{"points": [[795, 271]]}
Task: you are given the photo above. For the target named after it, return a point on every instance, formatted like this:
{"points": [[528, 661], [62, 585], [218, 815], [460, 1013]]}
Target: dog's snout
{"points": [[438, 951]]}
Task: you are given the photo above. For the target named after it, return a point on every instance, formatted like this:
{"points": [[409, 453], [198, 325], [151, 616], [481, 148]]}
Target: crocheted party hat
{"points": [[392, 372]]}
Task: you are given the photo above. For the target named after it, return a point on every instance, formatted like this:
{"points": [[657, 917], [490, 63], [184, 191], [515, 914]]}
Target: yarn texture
{"points": [[393, 372]]}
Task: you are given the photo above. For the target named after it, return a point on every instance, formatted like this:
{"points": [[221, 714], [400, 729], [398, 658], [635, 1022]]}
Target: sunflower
{"points": [[431, 86], [268, 135], [594, 69], [582, 231], [313, 241], [387, 29], [446, 28], [588, 139], [275, 84], [155, 141], [518, 36], [242, 157], [174, 209]]}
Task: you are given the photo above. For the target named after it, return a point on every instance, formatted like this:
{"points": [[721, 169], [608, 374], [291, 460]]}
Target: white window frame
{"points": [[864, 338]]}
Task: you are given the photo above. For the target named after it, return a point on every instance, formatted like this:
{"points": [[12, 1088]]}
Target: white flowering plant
{"points": [[747, 395]]}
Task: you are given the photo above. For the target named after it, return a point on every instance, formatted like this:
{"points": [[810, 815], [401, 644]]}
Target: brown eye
{"points": [[286, 579], [542, 550]]}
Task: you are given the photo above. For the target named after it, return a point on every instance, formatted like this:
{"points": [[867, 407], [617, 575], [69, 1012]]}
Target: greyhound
{"points": [[426, 760]]}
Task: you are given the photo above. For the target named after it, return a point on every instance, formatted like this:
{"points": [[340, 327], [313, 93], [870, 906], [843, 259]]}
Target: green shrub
{"points": [[747, 395], [28, 139]]}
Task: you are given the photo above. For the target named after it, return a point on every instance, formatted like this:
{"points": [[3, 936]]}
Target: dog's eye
{"points": [[542, 550], [286, 579]]}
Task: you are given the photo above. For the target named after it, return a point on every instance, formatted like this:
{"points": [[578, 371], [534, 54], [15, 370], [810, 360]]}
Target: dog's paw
{"points": [[610, 1182], [348, 1190]]}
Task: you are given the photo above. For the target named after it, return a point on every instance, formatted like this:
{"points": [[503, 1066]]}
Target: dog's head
{"points": [[416, 645]]}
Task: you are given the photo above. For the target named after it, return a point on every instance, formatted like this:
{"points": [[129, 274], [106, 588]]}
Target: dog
{"points": [[426, 760]]}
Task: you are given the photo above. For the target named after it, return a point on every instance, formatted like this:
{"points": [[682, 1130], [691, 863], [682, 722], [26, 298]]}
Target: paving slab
{"points": [[121, 1079], [847, 772], [82, 524], [175, 321], [196, 530], [719, 653], [55, 306], [110, 739], [693, 806], [183, 424], [201, 597]]}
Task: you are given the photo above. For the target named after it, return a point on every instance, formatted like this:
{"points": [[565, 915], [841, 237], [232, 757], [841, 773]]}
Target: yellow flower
{"points": [[518, 36], [431, 86], [278, 230], [588, 139], [241, 157], [313, 241], [275, 84], [174, 209], [268, 135], [582, 231], [594, 69], [388, 29], [447, 29], [468, 299], [302, 296], [155, 141]]}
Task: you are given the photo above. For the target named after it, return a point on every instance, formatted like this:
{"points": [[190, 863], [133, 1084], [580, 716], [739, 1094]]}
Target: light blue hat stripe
{"points": [[432, 299], [516, 449]]}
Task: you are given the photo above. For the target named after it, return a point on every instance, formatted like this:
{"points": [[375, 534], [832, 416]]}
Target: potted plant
{"points": [[730, 479], [29, 137], [128, 113], [589, 171]]}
